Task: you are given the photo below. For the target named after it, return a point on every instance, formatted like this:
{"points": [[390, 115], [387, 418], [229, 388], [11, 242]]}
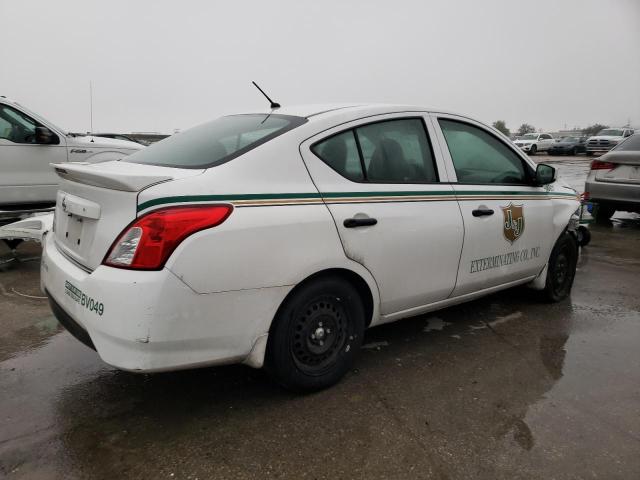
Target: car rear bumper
{"points": [[152, 321], [617, 193]]}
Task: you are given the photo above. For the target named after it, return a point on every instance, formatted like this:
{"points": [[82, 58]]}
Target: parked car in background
{"points": [[317, 222], [606, 139], [614, 180], [568, 146], [116, 136], [30, 143], [534, 142]]}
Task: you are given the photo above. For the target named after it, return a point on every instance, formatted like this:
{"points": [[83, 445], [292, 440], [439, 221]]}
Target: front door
{"points": [[382, 184], [508, 222], [25, 173]]}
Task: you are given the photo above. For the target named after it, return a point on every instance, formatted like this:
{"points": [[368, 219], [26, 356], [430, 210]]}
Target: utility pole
{"points": [[91, 105]]}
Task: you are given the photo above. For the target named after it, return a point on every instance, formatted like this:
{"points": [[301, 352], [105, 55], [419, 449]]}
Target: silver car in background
{"points": [[614, 180]]}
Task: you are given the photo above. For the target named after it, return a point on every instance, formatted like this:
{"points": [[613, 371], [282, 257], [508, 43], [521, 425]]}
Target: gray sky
{"points": [[160, 65]]}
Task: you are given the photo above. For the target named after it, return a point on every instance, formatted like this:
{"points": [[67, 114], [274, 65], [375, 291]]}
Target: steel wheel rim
{"points": [[318, 335]]}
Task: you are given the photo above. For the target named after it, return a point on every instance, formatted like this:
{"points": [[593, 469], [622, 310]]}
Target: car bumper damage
{"points": [[149, 321]]}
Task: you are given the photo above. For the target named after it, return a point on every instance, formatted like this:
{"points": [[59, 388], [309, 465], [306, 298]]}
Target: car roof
{"points": [[333, 109]]}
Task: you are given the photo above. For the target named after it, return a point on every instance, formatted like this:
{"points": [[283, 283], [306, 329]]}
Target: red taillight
{"points": [[148, 242], [598, 165]]}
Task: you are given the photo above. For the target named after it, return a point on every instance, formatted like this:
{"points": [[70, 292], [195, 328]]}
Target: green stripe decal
{"points": [[226, 198], [262, 197]]}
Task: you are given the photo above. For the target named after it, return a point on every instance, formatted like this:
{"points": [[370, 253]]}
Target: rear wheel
{"points": [[316, 335], [589, 154], [561, 269], [604, 213], [532, 150]]}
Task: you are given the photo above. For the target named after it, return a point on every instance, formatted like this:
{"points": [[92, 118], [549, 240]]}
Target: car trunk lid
{"points": [[96, 202], [626, 167]]}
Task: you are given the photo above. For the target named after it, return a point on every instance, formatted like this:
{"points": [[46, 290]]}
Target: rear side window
{"points": [[340, 152], [480, 158], [391, 151], [216, 142], [630, 144]]}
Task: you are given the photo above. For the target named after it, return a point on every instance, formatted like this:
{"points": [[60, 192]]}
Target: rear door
{"points": [[546, 141], [393, 209], [508, 222]]}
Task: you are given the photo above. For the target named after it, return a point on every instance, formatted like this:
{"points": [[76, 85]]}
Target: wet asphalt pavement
{"points": [[503, 387]]}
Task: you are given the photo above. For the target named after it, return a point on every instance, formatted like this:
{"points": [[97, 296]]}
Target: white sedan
{"points": [[275, 238]]}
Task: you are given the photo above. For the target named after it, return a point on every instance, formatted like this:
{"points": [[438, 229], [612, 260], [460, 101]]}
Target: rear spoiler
{"points": [[106, 176]]}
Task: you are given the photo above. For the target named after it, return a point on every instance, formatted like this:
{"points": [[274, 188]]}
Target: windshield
{"points": [[216, 142], [530, 136], [610, 132], [632, 143]]}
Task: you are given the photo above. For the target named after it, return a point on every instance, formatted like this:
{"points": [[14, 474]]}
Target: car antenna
{"points": [[274, 105]]}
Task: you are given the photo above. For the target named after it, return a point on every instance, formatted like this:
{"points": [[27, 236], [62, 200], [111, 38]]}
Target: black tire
{"points": [[589, 154], [561, 269], [583, 235], [533, 150], [316, 335], [604, 213]]}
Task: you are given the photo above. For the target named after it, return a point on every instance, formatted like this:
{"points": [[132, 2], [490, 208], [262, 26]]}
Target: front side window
{"points": [[390, 151], [216, 142], [16, 127], [480, 158]]}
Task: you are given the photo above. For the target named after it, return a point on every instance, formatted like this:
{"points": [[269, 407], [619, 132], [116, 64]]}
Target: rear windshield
{"points": [[630, 144], [215, 142]]}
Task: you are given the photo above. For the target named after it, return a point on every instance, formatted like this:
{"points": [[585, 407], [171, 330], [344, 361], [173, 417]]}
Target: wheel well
{"points": [[353, 278]]}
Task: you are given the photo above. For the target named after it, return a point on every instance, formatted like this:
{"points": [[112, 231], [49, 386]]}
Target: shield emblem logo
{"points": [[513, 224]]}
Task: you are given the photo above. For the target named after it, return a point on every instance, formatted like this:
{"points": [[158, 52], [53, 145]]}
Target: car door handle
{"points": [[359, 222], [482, 212]]}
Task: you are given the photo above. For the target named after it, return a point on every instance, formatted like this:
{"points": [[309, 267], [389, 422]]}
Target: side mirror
{"points": [[545, 174], [627, 133], [44, 136]]}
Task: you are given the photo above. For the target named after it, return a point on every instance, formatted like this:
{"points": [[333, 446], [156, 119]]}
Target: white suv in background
{"points": [[29, 144], [534, 142]]}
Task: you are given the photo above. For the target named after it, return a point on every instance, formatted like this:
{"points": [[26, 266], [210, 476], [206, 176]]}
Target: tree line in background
{"points": [[525, 128]]}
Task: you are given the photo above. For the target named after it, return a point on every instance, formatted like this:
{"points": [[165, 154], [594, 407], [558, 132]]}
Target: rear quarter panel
{"points": [[279, 233]]}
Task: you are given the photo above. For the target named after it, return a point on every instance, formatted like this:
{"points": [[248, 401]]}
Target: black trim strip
{"points": [[73, 327]]}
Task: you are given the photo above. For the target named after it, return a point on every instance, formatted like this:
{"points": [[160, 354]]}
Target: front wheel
{"points": [[561, 269], [583, 235], [532, 150], [316, 335]]}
